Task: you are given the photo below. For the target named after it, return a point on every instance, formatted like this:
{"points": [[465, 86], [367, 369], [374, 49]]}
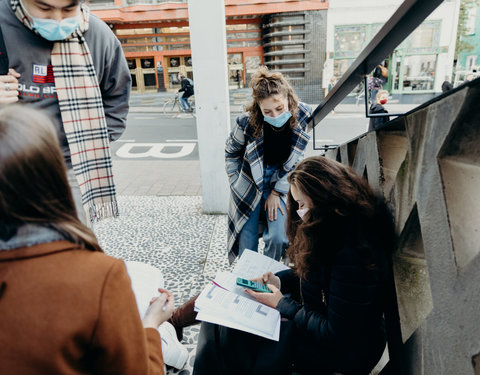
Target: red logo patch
{"points": [[43, 74]]}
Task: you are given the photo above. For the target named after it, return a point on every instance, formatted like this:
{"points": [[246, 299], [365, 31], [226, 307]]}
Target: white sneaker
{"points": [[174, 353]]}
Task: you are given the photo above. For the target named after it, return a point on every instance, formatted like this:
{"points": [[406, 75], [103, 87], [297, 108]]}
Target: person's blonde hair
{"points": [[33, 183], [266, 83]]}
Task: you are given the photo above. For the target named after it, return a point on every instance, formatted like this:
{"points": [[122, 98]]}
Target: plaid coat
{"points": [[244, 166]]}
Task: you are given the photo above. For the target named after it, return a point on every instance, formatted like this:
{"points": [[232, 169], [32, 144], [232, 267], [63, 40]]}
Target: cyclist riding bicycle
{"points": [[187, 89]]}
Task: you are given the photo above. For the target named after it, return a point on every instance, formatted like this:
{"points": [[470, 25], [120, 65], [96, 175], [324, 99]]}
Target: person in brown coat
{"points": [[65, 306]]}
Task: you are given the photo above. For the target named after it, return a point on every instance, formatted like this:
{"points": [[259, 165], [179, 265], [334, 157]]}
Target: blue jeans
{"points": [[274, 235], [184, 102]]}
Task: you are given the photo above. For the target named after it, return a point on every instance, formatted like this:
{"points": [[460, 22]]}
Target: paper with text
{"points": [[225, 303]]}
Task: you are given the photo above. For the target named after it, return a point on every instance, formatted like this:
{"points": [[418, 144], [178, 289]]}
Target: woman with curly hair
{"points": [[264, 146], [332, 301]]}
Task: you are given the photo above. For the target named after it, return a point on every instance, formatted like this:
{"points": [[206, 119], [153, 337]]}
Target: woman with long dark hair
{"points": [[332, 300], [65, 306]]}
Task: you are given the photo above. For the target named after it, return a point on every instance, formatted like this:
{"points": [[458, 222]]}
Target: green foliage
{"points": [[462, 43]]}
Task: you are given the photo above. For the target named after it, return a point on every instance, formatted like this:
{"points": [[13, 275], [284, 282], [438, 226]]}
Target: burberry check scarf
{"points": [[83, 117]]}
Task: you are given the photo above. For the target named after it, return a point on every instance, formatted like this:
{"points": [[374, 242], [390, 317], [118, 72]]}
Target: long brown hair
{"points": [[344, 208], [266, 83], [33, 183]]}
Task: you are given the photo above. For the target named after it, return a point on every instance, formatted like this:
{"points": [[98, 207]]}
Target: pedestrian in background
{"points": [[264, 146], [377, 80], [188, 91], [67, 308], [447, 85], [69, 63], [376, 108]]}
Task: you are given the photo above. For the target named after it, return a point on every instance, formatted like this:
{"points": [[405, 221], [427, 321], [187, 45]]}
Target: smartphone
{"points": [[257, 287]]}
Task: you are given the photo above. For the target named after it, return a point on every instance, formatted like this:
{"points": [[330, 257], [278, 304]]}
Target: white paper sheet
{"points": [[232, 310], [252, 264], [223, 302]]}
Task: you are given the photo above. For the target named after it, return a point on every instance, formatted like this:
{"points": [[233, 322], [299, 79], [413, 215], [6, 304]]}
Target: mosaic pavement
{"points": [[172, 234]]}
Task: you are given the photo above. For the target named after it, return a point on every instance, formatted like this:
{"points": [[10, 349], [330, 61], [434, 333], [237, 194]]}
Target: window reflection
{"points": [[419, 72]]}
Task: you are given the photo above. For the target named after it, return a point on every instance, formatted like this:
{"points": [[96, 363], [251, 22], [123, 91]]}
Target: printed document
{"points": [[225, 303]]}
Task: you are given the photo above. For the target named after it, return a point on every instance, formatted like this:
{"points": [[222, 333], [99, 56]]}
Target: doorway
{"points": [[142, 70], [175, 65]]}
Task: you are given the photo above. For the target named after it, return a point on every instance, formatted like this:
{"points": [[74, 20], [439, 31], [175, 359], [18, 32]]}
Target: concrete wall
{"points": [[427, 165]]}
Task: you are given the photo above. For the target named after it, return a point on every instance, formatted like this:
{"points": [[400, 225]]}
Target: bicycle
{"points": [[172, 107]]}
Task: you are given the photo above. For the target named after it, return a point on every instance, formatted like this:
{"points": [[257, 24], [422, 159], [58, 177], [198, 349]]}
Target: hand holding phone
{"points": [[257, 287]]}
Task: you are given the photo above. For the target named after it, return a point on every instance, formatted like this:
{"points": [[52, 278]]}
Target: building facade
{"points": [[284, 35], [469, 61], [416, 68]]}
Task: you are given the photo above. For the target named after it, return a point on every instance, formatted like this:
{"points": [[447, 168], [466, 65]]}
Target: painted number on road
{"points": [[155, 150]]}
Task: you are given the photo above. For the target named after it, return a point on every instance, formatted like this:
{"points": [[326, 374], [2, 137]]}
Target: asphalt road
{"points": [[152, 136]]}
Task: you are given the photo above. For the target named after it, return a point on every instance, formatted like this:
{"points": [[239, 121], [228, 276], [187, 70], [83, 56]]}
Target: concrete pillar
{"points": [[209, 56]]}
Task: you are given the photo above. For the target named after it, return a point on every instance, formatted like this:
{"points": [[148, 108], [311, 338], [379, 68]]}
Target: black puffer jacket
{"points": [[338, 308], [377, 122]]}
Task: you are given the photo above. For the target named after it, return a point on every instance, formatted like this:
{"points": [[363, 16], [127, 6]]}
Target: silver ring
{"points": [[7, 86]]}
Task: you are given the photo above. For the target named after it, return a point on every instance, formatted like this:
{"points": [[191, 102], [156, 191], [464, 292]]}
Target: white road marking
{"points": [[155, 150]]}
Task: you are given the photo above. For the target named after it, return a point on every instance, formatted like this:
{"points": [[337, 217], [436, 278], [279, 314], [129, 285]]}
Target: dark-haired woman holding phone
{"points": [[332, 301]]}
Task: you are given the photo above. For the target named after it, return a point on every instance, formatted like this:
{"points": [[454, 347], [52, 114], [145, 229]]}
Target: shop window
{"points": [[134, 31], [95, 4], [471, 62], [350, 40], [397, 64], [246, 43], [419, 72], [248, 35], [174, 62], [147, 63], [471, 19], [424, 39], [341, 66], [244, 26], [252, 63], [176, 47], [235, 70], [167, 30], [174, 66], [132, 63]]}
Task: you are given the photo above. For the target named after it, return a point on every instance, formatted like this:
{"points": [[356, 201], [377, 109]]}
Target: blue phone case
{"points": [[257, 287]]}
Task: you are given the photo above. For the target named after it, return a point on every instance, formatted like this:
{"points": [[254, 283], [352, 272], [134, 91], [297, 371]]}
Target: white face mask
{"points": [[302, 212]]}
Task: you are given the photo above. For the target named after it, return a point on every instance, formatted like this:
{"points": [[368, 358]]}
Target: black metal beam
{"points": [[403, 22]]}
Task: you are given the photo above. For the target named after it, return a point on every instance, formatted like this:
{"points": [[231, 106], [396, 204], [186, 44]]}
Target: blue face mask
{"points": [[278, 121], [53, 30]]}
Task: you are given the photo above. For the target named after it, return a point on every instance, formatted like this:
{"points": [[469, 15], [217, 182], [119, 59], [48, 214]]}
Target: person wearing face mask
{"points": [[378, 107], [264, 146], [67, 62], [333, 299]]}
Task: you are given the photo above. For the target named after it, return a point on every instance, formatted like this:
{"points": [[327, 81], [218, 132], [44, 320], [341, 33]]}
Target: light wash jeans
{"points": [[274, 235], [184, 102]]}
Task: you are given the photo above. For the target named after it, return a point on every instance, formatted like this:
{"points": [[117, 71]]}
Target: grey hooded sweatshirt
{"points": [[29, 54]]}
